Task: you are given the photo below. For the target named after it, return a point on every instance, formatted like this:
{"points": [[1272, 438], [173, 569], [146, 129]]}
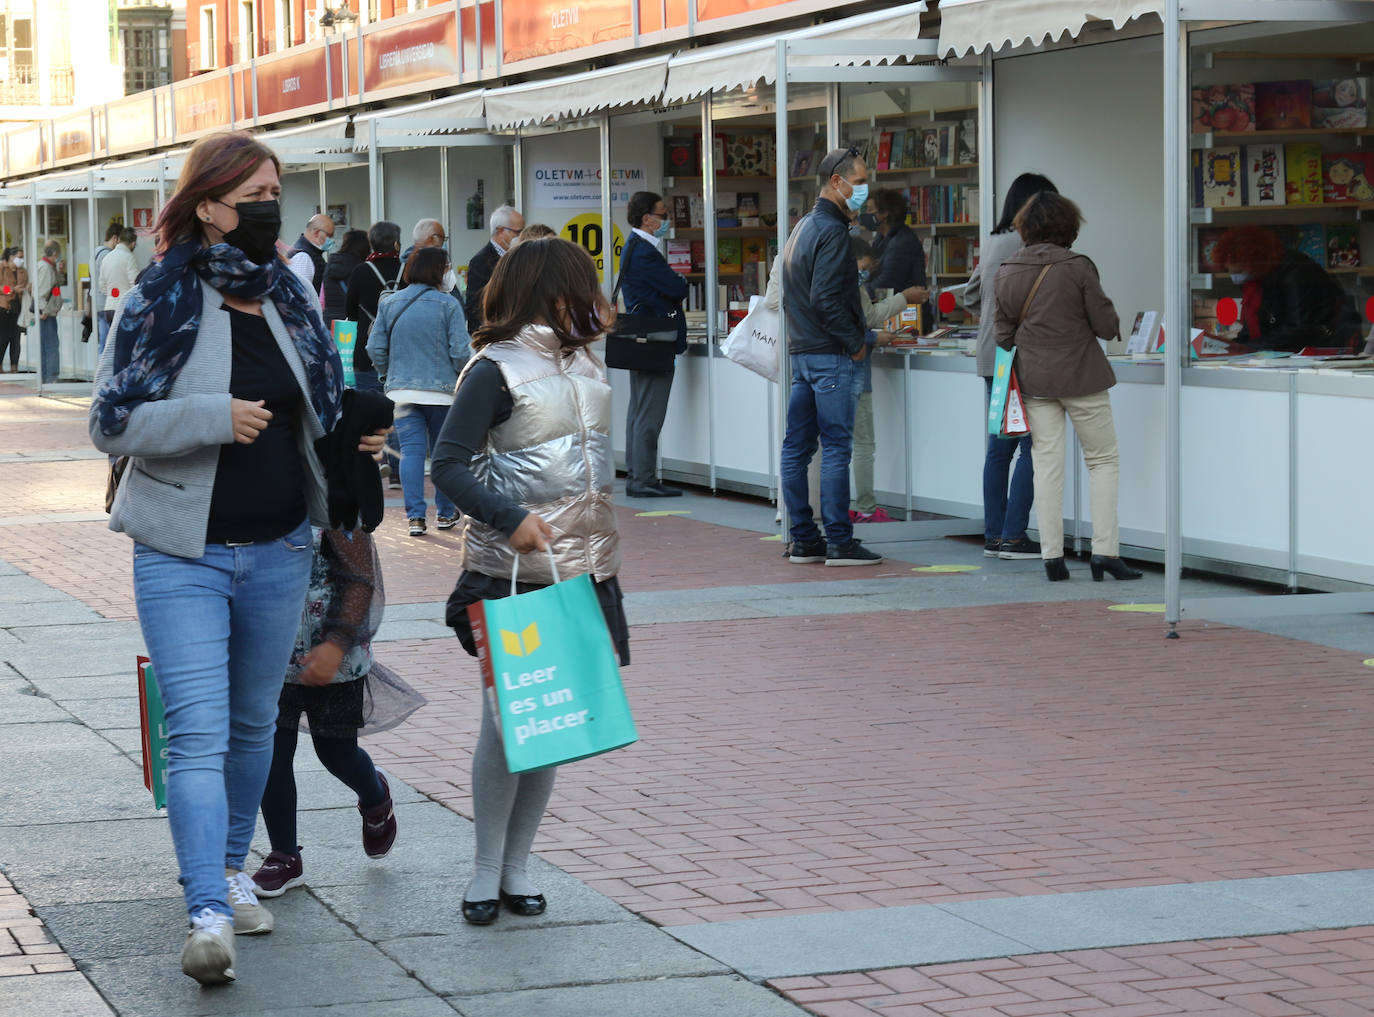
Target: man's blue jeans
{"points": [[825, 393], [1006, 515], [418, 430], [47, 346], [220, 630]]}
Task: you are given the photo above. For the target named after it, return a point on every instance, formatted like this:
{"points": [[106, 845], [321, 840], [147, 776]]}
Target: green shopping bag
{"points": [[152, 723], [346, 339], [1001, 385], [550, 674]]}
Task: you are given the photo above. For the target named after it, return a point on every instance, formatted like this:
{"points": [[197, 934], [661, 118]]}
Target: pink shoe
{"points": [[878, 515]]}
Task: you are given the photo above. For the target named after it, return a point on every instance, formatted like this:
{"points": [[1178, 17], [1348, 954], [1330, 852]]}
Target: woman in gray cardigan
{"points": [[1005, 515], [215, 381]]}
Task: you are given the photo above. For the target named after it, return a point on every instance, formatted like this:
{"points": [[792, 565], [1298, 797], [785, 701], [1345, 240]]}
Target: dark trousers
{"points": [[649, 391], [9, 338], [341, 756], [48, 348]]}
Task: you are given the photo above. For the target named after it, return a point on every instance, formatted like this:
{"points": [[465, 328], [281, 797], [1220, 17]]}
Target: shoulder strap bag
{"points": [[640, 342]]}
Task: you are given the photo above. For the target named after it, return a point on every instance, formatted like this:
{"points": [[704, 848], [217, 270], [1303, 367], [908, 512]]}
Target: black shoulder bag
{"points": [[640, 342]]}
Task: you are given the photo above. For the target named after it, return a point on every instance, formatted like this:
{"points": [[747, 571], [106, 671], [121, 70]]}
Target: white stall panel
{"points": [[1335, 488]]}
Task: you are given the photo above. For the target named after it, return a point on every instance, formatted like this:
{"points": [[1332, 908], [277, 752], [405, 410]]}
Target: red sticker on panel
{"points": [[946, 303], [1227, 312]]}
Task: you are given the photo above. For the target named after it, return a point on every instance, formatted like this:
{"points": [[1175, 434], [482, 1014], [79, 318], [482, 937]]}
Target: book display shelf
{"points": [[1282, 139]]}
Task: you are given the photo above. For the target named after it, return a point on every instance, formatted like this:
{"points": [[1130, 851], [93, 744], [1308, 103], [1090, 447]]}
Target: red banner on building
{"points": [[72, 137], [536, 28], [410, 53], [202, 104], [292, 82]]}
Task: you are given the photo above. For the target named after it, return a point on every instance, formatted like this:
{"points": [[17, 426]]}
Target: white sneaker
{"points": [[208, 954], [250, 917]]}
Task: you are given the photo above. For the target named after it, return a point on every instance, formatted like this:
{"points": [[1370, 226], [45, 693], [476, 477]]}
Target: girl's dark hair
{"points": [[544, 281], [426, 266], [860, 248], [1023, 188], [641, 204], [354, 242], [1048, 218], [892, 204], [216, 164]]}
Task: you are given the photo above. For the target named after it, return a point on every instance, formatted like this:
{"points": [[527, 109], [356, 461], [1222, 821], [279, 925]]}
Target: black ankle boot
{"points": [[1056, 569], [1114, 567]]}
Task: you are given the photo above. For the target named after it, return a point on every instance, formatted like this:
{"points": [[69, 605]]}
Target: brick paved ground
{"points": [[1328, 973], [25, 948], [847, 762]]}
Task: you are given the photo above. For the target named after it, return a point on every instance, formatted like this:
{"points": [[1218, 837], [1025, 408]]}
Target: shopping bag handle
{"points": [[515, 567]]}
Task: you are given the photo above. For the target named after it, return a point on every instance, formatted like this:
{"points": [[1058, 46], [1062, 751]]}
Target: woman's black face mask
{"points": [[258, 229]]}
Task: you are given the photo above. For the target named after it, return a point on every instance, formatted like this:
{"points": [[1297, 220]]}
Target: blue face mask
{"points": [[864, 274], [662, 230], [1240, 278], [328, 245], [859, 198]]}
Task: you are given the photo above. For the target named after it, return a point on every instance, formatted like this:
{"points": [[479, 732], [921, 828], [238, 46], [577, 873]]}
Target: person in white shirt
{"points": [[118, 270], [102, 324], [307, 257]]}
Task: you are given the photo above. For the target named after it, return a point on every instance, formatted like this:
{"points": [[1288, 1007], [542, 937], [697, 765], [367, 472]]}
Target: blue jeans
{"points": [[418, 430], [220, 630], [1005, 515], [825, 393], [103, 321], [47, 347]]}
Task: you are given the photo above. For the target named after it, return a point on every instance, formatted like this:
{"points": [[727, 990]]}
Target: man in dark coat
{"points": [[506, 224]]}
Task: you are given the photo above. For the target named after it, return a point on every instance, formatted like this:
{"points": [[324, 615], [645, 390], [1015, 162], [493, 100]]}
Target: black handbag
{"points": [[640, 342]]}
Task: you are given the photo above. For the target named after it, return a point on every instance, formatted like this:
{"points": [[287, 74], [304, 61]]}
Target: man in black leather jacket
{"points": [[826, 339]]}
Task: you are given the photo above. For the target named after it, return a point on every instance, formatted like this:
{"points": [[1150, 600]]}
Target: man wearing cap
{"points": [[827, 340]]}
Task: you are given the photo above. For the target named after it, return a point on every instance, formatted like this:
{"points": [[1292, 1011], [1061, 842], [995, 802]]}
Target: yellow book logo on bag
{"points": [[521, 645]]}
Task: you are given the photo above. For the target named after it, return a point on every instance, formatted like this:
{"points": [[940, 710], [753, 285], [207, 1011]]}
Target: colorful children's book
{"points": [[729, 256], [1342, 247], [753, 250], [1310, 239], [1340, 103], [1207, 240], [1264, 167], [1346, 177], [1219, 177], [1303, 174], [1224, 108], [1283, 105]]}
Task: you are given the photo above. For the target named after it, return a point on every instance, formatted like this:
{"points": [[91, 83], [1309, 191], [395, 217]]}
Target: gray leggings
{"points": [[506, 810]]}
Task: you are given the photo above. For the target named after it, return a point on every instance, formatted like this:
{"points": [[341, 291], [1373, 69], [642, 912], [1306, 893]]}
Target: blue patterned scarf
{"points": [[161, 318]]}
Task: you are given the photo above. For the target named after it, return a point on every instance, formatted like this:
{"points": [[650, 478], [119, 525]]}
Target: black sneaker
{"points": [[852, 553], [991, 548], [808, 553], [1022, 547]]}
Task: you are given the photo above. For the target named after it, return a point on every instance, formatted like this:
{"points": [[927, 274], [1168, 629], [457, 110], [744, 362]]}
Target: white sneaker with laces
{"points": [[250, 917], [209, 953]]}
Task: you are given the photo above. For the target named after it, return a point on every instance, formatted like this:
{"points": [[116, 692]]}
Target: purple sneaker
{"points": [[279, 872], [379, 823]]}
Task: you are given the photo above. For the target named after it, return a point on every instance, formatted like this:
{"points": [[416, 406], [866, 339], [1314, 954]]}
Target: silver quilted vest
{"points": [[552, 457]]}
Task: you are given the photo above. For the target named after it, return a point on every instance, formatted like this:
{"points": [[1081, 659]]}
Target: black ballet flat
{"points": [[526, 905], [481, 912]]}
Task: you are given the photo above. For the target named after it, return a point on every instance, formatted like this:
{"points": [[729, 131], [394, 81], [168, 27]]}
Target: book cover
{"points": [[1346, 176], [1264, 166], [968, 141], [884, 151], [679, 255], [898, 148], [698, 255], [1143, 332], [1222, 183], [1340, 103], [948, 144], [1310, 239], [727, 214], [1342, 246], [1207, 239], [1283, 105], [930, 147], [682, 211], [1224, 108], [680, 157], [698, 214], [753, 250], [1303, 174], [749, 155], [729, 256], [747, 204]]}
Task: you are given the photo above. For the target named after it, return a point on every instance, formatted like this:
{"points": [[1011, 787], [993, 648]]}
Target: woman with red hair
{"points": [[216, 380], [1288, 301]]}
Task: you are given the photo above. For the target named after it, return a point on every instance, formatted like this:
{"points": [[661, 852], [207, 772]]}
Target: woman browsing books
{"points": [[1051, 309]]}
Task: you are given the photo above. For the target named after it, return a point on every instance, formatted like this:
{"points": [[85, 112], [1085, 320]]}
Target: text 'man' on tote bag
{"points": [[550, 674], [753, 343]]}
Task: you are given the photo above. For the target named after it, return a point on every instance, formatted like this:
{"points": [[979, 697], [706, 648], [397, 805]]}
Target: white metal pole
{"points": [[517, 154], [607, 227], [445, 201], [374, 173], [34, 336], [1176, 123], [784, 366], [708, 201]]}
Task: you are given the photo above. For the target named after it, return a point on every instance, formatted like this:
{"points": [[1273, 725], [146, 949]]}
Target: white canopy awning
{"points": [[693, 73], [453, 114], [304, 145], [971, 26], [577, 94]]}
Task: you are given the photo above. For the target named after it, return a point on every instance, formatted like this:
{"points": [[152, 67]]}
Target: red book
{"points": [[884, 151], [1346, 177], [1283, 105]]}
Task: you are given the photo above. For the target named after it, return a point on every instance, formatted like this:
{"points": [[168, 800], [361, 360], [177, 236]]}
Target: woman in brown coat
{"points": [[14, 283], [1051, 308]]}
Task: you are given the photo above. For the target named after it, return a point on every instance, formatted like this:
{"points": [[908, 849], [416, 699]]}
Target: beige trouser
{"points": [[1092, 420]]}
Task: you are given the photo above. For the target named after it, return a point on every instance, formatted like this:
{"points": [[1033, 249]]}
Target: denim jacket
{"points": [[419, 340]]}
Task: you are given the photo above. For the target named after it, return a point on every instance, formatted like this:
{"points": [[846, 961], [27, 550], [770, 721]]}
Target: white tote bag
{"points": [[753, 343]]}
